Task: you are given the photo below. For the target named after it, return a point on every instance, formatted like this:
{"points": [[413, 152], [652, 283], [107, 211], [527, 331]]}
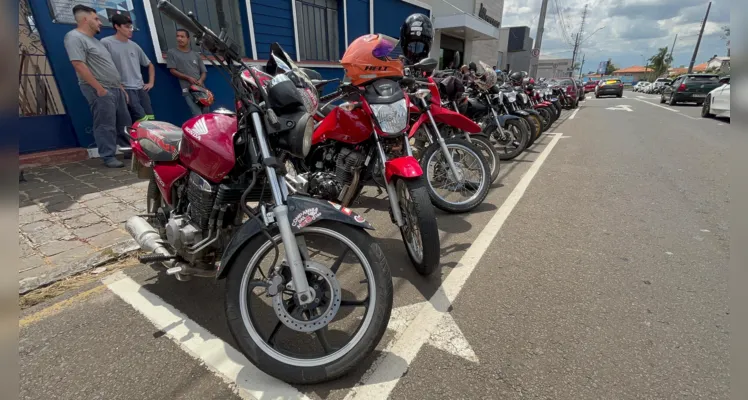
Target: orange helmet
{"points": [[367, 59]]}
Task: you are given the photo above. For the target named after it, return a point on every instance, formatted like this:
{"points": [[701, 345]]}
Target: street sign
{"points": [[535, 53]]}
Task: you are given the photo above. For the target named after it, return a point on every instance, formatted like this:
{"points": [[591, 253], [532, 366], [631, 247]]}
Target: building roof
{"points": [[632, 70], [680, 71]]}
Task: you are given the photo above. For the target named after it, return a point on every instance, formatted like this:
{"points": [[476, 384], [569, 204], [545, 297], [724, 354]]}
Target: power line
{"points": [[560, 20]]}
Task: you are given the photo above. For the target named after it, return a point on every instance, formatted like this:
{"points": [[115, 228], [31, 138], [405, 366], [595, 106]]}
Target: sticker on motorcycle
{"points": [[306, 217], [344, 210], [359, 219]]}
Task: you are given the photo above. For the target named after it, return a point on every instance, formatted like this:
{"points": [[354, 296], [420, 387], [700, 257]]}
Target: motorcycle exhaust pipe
{"points": [[148, 239]]}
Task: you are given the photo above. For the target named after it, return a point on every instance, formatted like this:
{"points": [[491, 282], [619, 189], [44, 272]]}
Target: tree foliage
{"points": [[660, 61], [611, 67]]}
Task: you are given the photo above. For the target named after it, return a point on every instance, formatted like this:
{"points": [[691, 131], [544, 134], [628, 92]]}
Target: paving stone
{"points": [[80, 190], [25, 249], [93, 230], [55, 202], [36, 226], [121, 214], [88, 196], [34, 267], [75, 255], [108, 238], [83, 220], [36, 190], [100, 201], [72, 213], [59, 246], [51, 232], [68, 204], [33, 209], [29, 218]]}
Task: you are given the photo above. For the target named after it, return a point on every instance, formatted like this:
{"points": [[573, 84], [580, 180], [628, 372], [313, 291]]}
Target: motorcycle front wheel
{"points": [[546, 119], [420, 232], [537, 127], [460, 192], [488, 151], [513, 141], [310, 344]]}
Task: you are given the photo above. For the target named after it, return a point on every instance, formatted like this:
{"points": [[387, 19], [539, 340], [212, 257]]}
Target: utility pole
{"points": [[698, 41], [539, 36], [581, 66], [577, 41], [673, 47]]}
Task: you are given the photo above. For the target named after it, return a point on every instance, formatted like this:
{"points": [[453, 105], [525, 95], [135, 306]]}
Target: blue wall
{"points": [[273, 22]]}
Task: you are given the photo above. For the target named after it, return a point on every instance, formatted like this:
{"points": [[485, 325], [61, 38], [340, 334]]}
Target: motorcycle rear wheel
{"points": [[263, 349], [435, 166], [546, 118], [420, 232], [518, 136]]}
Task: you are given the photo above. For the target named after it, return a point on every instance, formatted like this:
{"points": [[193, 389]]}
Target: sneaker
{"points": [[114, 163]]}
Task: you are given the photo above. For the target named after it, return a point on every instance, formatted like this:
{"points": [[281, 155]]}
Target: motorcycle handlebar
{"points": [[180, 18]]}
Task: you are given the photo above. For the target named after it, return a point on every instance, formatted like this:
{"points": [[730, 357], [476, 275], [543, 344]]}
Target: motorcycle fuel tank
{"points": [[208, 145], [350, 127]]}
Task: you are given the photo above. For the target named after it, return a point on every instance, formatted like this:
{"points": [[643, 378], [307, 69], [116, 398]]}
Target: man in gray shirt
{"points": [[188, 66], [128, 57], [100, 83]]}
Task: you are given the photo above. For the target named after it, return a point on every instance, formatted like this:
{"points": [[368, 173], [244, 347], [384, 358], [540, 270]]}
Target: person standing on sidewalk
{"points": [[100, 84], [188, 66], [128, 58]]}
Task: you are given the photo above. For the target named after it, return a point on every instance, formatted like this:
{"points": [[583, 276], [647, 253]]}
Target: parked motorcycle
{"points": [[365, 139], [285, 265], [458, 175]]}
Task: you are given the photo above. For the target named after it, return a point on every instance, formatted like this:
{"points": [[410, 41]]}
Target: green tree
{"points": [[611, 67], [660, 62]]}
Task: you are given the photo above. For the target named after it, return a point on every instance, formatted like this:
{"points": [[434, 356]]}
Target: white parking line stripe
{"points": [[574, 114], [386, 374], [657, 105], [688, 116], [225, 361]]}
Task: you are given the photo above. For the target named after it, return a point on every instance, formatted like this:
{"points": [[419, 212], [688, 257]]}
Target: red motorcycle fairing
{"points": [[448, 117], [208, 145], [165, 174], [350, 127], [404, 167]]}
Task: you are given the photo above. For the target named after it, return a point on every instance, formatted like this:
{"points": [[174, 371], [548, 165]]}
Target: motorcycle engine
{"points": [[184, 230], [333, 185]]}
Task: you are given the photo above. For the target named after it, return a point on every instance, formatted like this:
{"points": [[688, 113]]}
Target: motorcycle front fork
{"points": [[456, 175], [304, 294], [397, 214]]}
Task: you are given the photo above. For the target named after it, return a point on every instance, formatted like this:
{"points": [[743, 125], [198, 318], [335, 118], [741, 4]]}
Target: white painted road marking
{"points": [[688, 116], [657, 105], [574, 114], [225, 361], [621, 107], [384, 376]]}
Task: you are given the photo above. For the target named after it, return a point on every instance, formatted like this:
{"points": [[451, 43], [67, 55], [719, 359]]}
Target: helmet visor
{"points": [[384, 47]]}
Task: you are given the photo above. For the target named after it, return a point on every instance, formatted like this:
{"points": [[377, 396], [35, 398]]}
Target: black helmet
{"points": [[516, 77], [416, 36], [473, 67]]}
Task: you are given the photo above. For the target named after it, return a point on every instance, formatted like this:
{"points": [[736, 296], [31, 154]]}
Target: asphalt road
{"points": [[596, 268]]}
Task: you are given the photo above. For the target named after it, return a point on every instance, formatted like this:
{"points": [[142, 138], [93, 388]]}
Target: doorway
{"points": [[449, 48]]}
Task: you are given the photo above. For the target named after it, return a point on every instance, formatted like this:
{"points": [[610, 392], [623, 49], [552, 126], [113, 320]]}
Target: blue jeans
{"points": [[194, 108], [110, 117], [140, 104]]}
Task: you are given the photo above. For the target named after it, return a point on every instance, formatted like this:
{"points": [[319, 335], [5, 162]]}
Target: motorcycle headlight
{"points": [[298, 140], [392, 118], [523, 97], [511, 97]]}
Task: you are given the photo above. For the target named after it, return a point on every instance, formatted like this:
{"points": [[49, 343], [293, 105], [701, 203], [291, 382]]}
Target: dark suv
{"points": [[689, 88]]}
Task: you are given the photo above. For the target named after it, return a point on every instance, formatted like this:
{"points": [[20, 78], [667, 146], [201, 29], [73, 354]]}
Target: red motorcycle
{"points": [[365, 139], [285, 260], [458, 175]]}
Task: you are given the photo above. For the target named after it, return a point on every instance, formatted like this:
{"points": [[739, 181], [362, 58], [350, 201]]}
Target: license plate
{"points": [[699, 95]]}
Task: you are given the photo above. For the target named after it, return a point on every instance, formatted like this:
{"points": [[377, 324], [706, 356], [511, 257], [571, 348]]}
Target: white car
{"points": [[717, 102], [639, 87]]}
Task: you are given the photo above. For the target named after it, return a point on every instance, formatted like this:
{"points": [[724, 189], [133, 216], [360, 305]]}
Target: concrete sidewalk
{"points": [[71, 219]]}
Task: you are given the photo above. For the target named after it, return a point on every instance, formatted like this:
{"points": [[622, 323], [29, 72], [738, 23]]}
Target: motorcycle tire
{"points": [[545, 117], [521, 134], [537, 127], [488, 151], [287, 368], [421, 213], [434, 150]]}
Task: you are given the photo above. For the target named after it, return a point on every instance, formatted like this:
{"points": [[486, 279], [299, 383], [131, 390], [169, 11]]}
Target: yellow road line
{"points": [[58, 307]]}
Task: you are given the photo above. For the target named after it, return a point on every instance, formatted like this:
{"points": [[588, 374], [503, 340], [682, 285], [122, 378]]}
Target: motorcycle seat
{"points": [[160, 141]]}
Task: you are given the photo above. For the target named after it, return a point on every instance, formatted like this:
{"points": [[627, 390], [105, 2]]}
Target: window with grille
{"points": [[317, 24], [215, 14]]}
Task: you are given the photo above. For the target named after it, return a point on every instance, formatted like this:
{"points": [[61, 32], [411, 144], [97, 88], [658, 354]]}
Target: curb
{"points": [[101, 257]]}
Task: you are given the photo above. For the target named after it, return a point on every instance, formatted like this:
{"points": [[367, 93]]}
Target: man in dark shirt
{"points": [[188, 66], [100, 83]]}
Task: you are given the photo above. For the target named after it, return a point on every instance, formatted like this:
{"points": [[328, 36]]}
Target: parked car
{"points": [[717, 102], [569, 87], [609, 87], [580, 89], [689, 88], [590, 86], [640, 86]]}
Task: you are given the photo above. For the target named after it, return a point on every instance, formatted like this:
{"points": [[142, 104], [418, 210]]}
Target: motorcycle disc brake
{"points": [[326, 303]]}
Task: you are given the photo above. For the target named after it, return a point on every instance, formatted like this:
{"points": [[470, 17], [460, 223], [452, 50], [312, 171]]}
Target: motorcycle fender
{"points": [[404, 167], [302, 212], [455, 119], [533, 112], [504, 118], [521, 113]]}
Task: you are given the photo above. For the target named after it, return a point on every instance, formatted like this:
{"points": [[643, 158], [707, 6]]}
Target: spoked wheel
{"points": [[545, 117], [419, 231], [461, 190], [483, 144], [304, 344], [513, 141]]}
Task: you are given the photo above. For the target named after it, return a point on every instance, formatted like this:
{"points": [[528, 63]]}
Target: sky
{"points": [[624, 30]]}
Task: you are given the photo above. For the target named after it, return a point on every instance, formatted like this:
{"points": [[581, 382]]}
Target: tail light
{"points": [[620, 84], [682, 87]]}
